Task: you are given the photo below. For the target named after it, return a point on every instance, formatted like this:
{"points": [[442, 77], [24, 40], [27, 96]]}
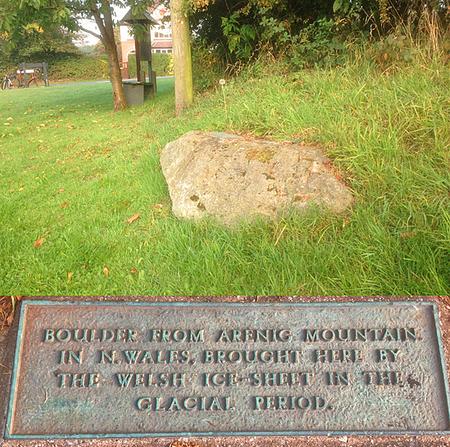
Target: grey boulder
{"points": [[231, 178]]}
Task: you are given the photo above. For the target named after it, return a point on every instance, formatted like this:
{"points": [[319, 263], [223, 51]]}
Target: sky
{"points": [[89, 39]]}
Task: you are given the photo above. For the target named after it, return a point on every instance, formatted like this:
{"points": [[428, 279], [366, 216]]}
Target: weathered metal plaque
{"points": [[109, 369]]}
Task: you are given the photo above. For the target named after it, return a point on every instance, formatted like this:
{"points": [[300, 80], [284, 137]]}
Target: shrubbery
{"points": [[317, 45], [312, 33], [207, 67], [323, 43], [68, 68], [161, 63], [81, 68]]}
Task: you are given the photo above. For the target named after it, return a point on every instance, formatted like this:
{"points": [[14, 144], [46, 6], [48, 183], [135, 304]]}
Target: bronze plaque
{"points": [[139, 369]]}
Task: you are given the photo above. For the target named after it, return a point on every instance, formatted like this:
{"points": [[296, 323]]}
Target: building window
{"points": [[163, 35], [160, 35]]}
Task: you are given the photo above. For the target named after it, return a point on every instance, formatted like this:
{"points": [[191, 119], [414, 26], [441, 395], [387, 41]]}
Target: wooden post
{"points": [[181, 35], [150, 62], [137, 46]]}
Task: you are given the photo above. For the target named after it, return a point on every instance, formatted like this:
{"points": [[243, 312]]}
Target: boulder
{"points": [[230, 177]]}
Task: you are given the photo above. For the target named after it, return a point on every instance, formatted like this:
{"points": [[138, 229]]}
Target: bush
{"points": [[161, 63], [81, 68], [392, 50], [317, 46], [69, 67], [207, 67]]}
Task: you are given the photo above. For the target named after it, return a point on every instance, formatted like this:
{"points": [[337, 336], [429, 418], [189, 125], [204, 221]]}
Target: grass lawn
{"points": [[72, 173]]}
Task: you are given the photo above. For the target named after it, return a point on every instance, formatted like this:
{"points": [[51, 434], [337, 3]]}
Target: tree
{"points": [[182, 58], [20, 21], [101, 12], [24, 31], [40, 44]]}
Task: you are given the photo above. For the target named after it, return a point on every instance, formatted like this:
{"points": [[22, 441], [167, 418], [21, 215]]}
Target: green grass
{"points": [[72, 172]]}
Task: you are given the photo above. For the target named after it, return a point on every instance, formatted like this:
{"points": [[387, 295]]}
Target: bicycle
{"points": [[7, 81], [36, 77], [23, 79], [26, 77]]}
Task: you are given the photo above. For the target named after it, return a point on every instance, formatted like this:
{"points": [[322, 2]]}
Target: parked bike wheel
{"points": [[36, 80], [6, 84]]}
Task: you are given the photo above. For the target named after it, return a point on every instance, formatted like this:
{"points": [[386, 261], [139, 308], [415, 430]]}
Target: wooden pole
{"points": [[137, 47], [182, 57], [151, 73]]}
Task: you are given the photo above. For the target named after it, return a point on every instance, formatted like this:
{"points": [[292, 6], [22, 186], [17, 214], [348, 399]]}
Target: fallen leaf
{"points": [[134, 271], [106, 271], [158, 206], [133, 218], [64, 205], [69, 276], [61, 190], [38, 242]]}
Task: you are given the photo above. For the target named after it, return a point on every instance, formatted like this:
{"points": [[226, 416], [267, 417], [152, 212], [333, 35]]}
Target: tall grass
{"points": [[419, 41]]}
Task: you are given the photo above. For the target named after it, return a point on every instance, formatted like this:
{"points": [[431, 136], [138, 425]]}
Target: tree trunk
{"points": [[120, 102], [181, 35], [106, 28]]}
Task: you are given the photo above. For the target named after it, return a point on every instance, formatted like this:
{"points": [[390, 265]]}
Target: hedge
{"points": [[161, 63], [81, 68], [87, 68]]}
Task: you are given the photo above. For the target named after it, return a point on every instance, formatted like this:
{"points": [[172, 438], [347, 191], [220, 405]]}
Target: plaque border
{"points": [[91, 301]]}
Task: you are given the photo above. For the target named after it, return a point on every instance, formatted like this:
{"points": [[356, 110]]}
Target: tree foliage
{"points": [[19, 19], [34, 33], [51, 43]]}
